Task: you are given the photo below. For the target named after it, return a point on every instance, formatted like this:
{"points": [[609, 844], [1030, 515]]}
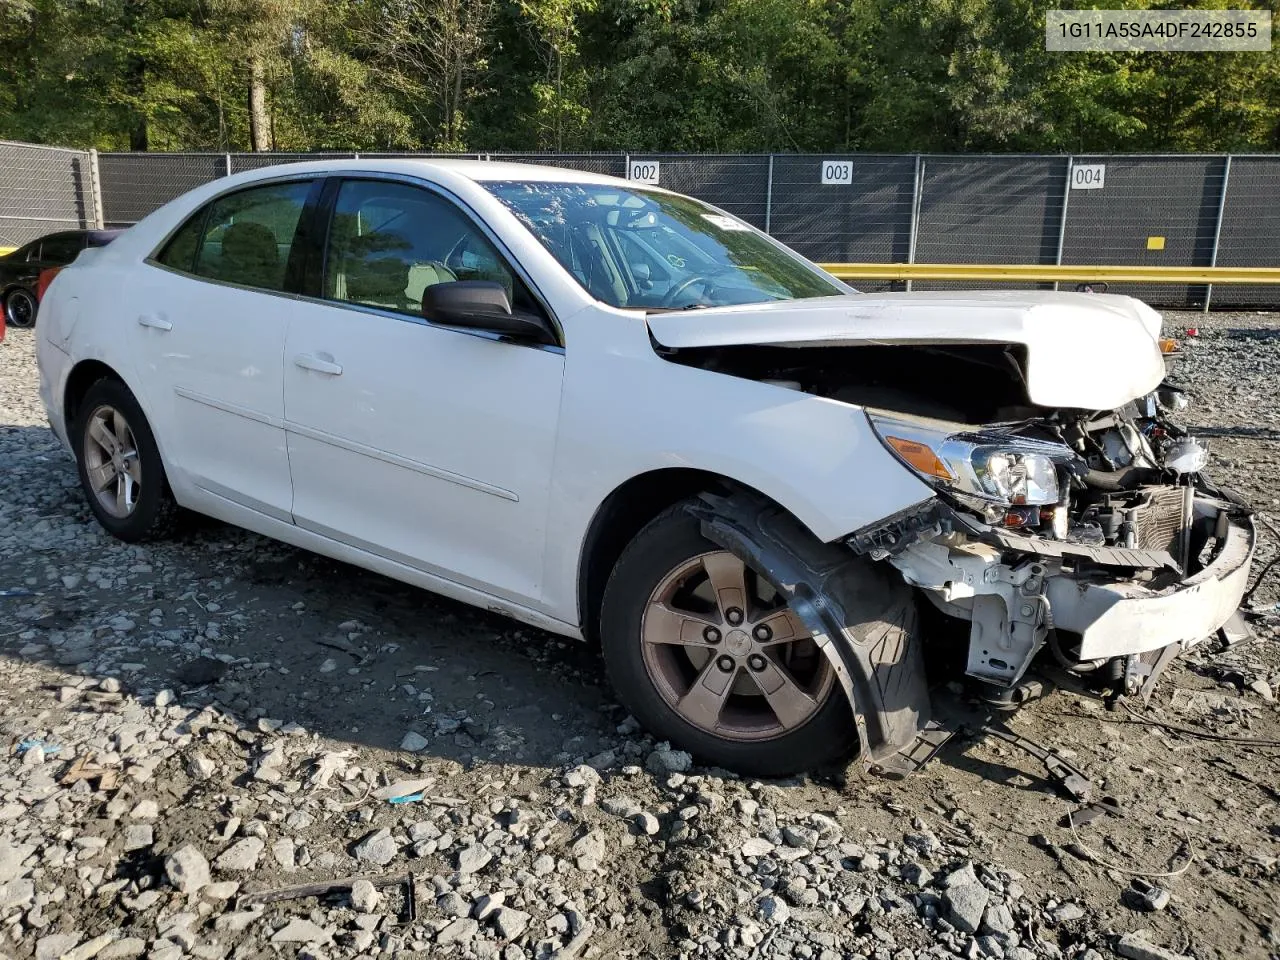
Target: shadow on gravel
{"points": [[1250, 333], [225, 617], [1248, 433]]}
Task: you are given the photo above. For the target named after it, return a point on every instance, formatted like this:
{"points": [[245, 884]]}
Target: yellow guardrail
{"points": [[1037, 273]]}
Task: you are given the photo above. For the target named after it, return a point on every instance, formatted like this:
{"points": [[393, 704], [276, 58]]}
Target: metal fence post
{"points": [[228, 164], [1062, 224], [1217, 228], [915, 213], [95, 189], [768, 198]]}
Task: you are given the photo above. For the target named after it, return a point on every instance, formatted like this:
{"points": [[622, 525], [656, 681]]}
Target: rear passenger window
{"points": [[61, 250], [248, 235], [389, 242]]}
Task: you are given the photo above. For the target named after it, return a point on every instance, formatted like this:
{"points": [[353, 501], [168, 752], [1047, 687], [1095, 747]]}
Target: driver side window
{"points": [[388, 242]]}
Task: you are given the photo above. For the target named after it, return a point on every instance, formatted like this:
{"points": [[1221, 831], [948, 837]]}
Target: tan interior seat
{"points": [[423, 275]]}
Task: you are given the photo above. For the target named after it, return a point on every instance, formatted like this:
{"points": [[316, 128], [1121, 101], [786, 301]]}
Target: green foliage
{"points": [[692, 75]]}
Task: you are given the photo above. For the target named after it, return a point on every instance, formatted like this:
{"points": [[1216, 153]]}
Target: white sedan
{"points": [[620, 414]]}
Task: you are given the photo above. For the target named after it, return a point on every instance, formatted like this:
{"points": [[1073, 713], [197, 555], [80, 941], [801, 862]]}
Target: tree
{"points": [[431, 53], [693, 75], [560, 95]]}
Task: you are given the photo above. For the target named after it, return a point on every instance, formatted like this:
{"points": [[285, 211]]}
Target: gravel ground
{"points": [[190, 723]]}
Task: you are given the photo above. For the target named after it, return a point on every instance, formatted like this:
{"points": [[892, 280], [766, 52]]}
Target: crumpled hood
{"points": [[1084, 350]]}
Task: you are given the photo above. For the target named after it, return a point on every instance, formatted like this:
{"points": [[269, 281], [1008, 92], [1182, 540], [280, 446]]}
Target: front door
{"points": [[428, 446], [208, 325]]}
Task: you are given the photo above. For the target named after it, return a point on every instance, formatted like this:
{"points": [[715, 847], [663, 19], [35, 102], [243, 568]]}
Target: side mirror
{"points": [[481, 305]]}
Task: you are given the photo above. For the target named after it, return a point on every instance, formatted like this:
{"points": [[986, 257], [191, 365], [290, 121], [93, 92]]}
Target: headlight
{"points": [[996, 468]]}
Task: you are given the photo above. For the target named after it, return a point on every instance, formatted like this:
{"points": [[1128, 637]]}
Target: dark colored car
{"points": [[20, 270]]}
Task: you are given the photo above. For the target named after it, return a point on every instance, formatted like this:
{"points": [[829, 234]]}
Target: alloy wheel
{"points": [[111, 461], [20, 309], [728, 655]]}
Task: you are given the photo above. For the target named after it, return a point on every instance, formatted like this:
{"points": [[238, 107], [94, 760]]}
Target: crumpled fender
{"points": [[862, 616]]}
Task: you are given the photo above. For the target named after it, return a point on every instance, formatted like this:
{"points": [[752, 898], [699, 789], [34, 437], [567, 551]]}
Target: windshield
{"points": [[635, 248]]}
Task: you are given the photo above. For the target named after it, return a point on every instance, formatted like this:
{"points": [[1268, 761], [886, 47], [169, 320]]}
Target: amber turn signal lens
{"points": [[1022, 517], [920, 457]]}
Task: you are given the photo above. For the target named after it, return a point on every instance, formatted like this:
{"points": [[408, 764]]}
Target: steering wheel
{"points": [[673, 294]]}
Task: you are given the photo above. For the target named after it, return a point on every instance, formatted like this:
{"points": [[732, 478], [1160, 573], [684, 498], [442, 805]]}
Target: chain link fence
{"points": [[44, 189], [1249, 233], [1204, 210]]}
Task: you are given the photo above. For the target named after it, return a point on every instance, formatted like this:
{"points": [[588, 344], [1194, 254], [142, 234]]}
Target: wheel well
{"points": [[617, 521], [84, 375]]}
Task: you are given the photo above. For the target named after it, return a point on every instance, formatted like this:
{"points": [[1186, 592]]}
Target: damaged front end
{"points": [[1094, 535], [1070, 516]]}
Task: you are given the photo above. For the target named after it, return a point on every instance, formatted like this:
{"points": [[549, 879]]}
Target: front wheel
{"points": [[20, 308], [119, 464], [707, 654]]}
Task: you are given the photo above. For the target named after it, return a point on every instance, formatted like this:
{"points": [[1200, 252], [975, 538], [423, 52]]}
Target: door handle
{"points": [[308, 362], [156, 323]]}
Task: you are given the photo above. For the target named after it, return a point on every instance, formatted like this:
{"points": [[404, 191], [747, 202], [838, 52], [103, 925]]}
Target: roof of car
{"points": [[478, 170], [97, 238]]}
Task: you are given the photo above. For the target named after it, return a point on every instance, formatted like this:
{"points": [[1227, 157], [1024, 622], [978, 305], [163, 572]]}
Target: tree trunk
{"points": [[259, 117], [559, 103], [454, 108], [139, 138]]}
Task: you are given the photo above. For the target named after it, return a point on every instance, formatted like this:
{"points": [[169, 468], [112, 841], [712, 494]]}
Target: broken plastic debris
{"points": [[411, 798], [16, 592], [328, 764], [404, 791], [49, 748]]}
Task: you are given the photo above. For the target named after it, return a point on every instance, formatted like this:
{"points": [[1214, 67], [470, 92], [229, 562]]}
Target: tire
{"points": [[671, 542], [148, 510], [20, 308]]}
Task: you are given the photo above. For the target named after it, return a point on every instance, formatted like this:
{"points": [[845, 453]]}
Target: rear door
{"points": [[428, 446], [208, 329]]}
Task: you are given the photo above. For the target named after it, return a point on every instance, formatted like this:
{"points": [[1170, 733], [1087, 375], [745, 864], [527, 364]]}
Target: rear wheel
{"points": [[20, 308], [708, 655], [119, 464]]}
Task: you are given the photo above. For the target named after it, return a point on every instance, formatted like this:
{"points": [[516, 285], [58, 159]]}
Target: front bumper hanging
{"points": [[1117, 619], [1110, 601]]}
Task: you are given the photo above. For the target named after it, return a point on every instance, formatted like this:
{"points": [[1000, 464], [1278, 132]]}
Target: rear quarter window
{"points": [[180, 252]]}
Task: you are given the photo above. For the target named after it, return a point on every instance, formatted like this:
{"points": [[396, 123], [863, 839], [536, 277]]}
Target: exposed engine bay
{"points": [[919, 379], [1093, 536]]}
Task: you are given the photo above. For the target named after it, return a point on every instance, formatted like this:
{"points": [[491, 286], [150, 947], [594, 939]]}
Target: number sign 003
{"points": [[837, 171]]}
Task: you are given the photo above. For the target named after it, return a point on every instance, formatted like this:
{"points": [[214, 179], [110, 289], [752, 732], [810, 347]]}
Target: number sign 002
{"points": [[643, 171]]}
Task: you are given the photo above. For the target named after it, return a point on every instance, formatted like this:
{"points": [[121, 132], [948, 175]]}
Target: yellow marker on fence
{"points": [[1155, 243], [1048, 273]]}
